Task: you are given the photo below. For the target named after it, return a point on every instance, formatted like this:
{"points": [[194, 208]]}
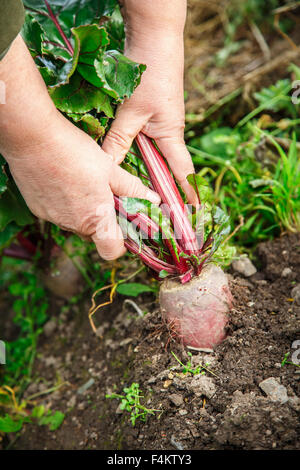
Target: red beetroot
{"points": [[198, 310], [196, 300]]}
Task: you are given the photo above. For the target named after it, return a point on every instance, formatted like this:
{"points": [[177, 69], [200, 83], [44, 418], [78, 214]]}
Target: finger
{"points": [[108, 237], [124, 184], [123, 131], [180, 161]]}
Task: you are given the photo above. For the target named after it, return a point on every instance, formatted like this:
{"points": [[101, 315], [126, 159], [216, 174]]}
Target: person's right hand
{"points": [[67, 179]]}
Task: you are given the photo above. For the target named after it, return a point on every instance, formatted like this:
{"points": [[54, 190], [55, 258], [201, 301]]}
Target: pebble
{"points": [[167, 383], [69, 357], [85, 386], [176, 399], [244, 266], [202, 385], [176, 444], [152, 380], [294, 402], [82, 406], [203, 413], [101, 329], [49, 328], [72, 402], [183, 412], [296, 294], [50, 361], [126, 341], [274, 390]]}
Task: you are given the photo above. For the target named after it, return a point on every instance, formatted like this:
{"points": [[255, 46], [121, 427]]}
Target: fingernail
{"points": [[153, 197]]}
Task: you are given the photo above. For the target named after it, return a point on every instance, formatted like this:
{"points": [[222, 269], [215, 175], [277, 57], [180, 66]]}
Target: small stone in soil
{"points": [[50, 361], [176, 443], [72, 402], [50, 328], [167, 383], [244, 266], [85, 386], [202, 385], [176, 399], [296, 294], [286, 272], [274, 390]]}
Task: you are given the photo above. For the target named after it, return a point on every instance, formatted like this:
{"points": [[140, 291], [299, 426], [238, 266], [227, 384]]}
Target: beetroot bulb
{"points": [[197, 311], [180, 250]]}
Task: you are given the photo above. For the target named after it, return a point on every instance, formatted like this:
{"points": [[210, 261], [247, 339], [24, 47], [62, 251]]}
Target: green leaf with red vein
{"points": [[58, 17]]}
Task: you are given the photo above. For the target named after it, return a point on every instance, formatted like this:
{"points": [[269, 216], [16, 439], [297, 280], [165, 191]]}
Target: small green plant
{"points": [[130, 402], [285, 361], [30, 307], [52, 419], [284, 187], [188, 367], [11, 424], [14, 413]]}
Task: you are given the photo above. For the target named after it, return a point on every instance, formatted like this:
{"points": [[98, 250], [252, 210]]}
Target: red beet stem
{"points": [[165, 186], [149, 257]]}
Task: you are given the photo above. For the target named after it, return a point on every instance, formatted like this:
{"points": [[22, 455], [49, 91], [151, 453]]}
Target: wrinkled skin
{"points": [[197, 312], [63, 175]]}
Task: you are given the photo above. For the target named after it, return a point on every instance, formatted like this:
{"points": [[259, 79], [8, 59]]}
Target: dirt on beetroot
{"points": [[225, 408]]}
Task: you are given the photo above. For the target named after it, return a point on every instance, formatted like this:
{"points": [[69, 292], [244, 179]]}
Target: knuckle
{"points": [[87, 226], [115, 137]]}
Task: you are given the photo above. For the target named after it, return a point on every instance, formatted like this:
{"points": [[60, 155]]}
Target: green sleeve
{"points": [[11, 21]]}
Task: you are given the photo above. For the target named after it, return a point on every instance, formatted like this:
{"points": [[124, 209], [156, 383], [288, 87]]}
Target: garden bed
{"points": [[225, 408]]}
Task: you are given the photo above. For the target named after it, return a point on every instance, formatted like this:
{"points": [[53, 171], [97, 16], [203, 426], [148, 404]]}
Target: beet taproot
{"points": [[198, 311]]}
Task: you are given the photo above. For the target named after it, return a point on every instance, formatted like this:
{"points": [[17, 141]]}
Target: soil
{"points": [[225, 408]]}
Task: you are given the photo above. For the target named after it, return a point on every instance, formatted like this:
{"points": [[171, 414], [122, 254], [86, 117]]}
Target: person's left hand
{"points": [[156, 107]]}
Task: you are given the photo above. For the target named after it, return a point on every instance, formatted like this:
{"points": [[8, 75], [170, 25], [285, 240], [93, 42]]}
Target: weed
{"points": [[30, 307], [285, 361], [130, 402], [285, 185], [254, 167], [189, 369], [19, 414]]}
